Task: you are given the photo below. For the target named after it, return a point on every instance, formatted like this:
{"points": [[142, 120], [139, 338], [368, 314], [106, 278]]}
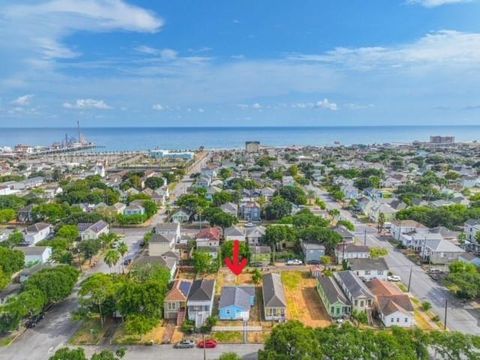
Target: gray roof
{"points": [[443, 246], [202, 290], [159, 238], [312, 246], [353, 283], [332, 291], [96, 227], [234, 231], [166, 227], [368, 264], [31, 250], [37, 227], [343, 231], [236, 295], [353, 248], [273, 292]]}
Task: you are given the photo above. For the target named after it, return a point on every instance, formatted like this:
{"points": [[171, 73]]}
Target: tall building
{"points": [[252, 146], [442, 139]]}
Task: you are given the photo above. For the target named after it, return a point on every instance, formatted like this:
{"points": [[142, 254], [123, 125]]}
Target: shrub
{"points": [[139, 324]]}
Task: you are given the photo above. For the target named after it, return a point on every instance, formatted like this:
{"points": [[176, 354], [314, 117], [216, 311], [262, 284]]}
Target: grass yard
{"points": [[303, 302], [90, 333], [228, 337], [155, 336]]}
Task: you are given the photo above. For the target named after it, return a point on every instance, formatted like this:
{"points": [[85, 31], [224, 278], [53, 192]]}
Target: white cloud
{"points": [[326, 104], [165, 54], [45, 24], [159, 107], [435, 3], [24, 100], [256, 106], [201, 110], [443, 47], [86, 104]]}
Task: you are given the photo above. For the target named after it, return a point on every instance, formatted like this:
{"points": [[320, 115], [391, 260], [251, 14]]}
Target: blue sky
{"points": [[239, 62]]}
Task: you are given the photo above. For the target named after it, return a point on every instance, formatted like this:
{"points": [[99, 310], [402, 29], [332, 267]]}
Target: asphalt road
{"points": [[460, 316], [167, 352]]}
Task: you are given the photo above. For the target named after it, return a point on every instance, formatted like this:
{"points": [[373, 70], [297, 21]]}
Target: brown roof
{"points": [[389, 297], [179, 291]]}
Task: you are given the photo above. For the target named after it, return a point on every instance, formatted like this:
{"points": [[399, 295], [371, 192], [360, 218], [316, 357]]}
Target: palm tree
{"points": [[109, 239], [122, 248], [111, 258]]}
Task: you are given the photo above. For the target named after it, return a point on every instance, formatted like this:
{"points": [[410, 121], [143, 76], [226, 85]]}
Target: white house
{"points": [[369, 269], [392, 306], [93, 231], [200, 301], [400, 227], [37, 232], [134, 209], [235, 233], [351, 251], [36, 254]]}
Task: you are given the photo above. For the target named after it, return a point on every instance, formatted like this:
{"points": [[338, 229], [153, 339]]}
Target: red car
{"points": [[209, 344]]}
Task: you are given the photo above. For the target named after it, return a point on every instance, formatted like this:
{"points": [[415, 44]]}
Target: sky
{"points": [[112, 63]]}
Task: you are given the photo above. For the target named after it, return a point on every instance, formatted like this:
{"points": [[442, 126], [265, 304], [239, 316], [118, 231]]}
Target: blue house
{"points": [[235, 302]]}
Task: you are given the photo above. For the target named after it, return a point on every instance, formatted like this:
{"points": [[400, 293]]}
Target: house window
{"points": [[361, 303], [398, 320], [391, 320], [356, 302], [406, 319]]}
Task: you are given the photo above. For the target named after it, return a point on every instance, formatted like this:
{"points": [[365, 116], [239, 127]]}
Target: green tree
{"points": [[11, 260], [325, 236], [229, 356], [256, 276], [69, 232], [277, 208], [98, 294], [111, 258], [203, 262], [69, 354], [293, 194], [154, 182], [381, 222], [89, 248], [227, 250], [377, 252]]}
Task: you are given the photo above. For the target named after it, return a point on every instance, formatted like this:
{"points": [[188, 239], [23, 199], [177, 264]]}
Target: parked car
{"points": [[208, 344], [34, 320], [394, 278], [185, 344], [294, 262]]}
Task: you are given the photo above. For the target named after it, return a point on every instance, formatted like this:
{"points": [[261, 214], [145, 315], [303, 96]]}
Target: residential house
{"points": [[37, 232], [312, 252], [469, 182], [355, 290], [333, 298], [160, 244], [235, 302], [209, 237], [351, 251], [470, 229], [274, 300], [392, 306], [380, 207], [181, 216], [168, 260], [235, 233], [230, 208], [35, 254], [169, 229], [25, 214], [93, 231], [440, 251], [250, 211], [119, 207], [134, 209], [368, 269], [200, 301], [350, 192], [400, 227], [254, 234], [347, 235], [373, 194], [175, 303]]}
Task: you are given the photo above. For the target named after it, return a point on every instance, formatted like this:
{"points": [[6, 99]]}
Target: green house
{"points": [[333, 298]]}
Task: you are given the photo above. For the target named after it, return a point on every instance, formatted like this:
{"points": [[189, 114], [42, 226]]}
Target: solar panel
{"points": [[185, 287]]}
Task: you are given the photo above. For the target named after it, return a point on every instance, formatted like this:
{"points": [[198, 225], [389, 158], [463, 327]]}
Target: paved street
{"points": [[167, 352], [460, 316], [55, 330]]}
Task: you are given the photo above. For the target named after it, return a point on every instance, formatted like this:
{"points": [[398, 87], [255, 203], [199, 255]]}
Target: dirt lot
{"points": [[303, 302]]}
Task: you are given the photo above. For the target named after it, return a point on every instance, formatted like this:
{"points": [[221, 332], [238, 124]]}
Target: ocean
{"points": [[181, 138]]}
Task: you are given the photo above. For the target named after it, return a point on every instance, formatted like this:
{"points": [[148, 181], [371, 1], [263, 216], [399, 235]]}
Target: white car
{"points": [[394, 278], [294, 262]]}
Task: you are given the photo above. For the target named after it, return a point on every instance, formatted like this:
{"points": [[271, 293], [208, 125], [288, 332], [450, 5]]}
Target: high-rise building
{"points": [[442, 139], [252, 146]]}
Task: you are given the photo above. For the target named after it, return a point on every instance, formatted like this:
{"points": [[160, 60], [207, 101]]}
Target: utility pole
{"points": [[204, 348], [446, 309], [410, 278]]}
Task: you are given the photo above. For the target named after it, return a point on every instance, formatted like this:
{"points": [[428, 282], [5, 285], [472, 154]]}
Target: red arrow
{"points": [[235, 264]]}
